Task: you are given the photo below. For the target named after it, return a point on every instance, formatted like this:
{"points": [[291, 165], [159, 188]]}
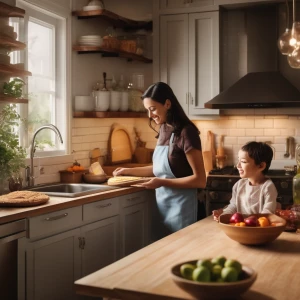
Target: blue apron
{"points": [[177, 207]]}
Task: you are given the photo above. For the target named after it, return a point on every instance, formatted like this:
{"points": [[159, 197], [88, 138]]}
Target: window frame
{"points": [[48, 11]]}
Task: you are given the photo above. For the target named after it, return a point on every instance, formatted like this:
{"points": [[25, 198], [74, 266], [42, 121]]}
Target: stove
{"points": [[220, 182]]}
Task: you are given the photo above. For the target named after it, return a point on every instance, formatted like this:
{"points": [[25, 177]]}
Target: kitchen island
{"points": [[145, 274]]}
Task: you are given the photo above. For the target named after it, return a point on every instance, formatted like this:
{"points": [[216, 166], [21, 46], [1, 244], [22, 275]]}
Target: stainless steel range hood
{"points": [[258, 90]]}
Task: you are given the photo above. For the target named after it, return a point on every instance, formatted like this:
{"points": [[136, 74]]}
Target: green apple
{"points": [[201, 274]]}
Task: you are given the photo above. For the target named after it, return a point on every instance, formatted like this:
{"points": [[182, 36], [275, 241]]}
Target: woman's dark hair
{"points": [[176, 116], [260, 152]]}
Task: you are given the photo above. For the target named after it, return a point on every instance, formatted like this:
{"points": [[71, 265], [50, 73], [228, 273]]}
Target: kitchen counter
{"points": [[145, 274], [9, 214]]}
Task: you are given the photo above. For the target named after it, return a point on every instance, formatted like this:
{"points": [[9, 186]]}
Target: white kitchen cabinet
{"points": [[134, 222], [189, 59], [100, 244], [60, 258], [52, 266], [172, 4]]}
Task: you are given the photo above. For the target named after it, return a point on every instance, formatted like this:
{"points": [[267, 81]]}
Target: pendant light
{"points": [[294, 57], [283, 42]]}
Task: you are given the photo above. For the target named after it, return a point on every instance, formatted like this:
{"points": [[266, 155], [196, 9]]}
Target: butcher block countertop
{"points": [[9, 214], [145, 274]]}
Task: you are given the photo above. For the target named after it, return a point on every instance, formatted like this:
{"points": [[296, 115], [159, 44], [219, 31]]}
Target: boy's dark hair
{"points": [[260, 152]]}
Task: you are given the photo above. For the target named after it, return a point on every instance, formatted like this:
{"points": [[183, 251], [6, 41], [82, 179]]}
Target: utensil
{"points": [[291, 147], [287, 148], [104, 82], [214, 290]]}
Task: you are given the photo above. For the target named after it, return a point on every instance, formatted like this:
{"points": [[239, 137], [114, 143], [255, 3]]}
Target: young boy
{"points": [[254, 192]]}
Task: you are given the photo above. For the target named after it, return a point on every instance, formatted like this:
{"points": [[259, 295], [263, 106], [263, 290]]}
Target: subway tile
{"points": [[286, 123], [264, 123], [254, 132], [264, 139], [270, 132], [245, 123], [287, 132], [237, 132], [244, 140]]}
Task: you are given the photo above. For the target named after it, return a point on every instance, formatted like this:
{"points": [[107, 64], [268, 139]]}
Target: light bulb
{"points": [[294, 58], [284, 43]]}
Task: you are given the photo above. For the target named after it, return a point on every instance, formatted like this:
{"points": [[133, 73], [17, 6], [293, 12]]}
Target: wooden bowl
{"points": [[253, 235], [214, 290], [91, 178]]}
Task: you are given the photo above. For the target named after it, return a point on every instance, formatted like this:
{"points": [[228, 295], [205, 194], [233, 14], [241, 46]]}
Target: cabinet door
{"points": [[101, 244], [169, 4], [133, 228], [52, 266], [173, 68], [204, 81]]}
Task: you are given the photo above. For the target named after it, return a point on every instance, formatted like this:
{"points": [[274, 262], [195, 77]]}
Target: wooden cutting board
{"points": [[119, 145]]}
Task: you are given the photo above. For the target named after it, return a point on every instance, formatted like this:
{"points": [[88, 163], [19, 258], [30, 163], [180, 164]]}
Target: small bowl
{"points": [[252, 235], [214, 290], [91, 178]]}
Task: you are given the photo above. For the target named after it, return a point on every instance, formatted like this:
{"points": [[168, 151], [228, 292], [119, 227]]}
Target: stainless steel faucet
{"points": [[30, 172]]}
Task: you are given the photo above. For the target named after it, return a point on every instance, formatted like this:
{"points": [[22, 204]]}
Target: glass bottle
{"points": [[296, 179]]}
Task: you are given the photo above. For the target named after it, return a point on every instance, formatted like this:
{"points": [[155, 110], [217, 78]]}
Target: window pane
{"points": [[40, 48]]}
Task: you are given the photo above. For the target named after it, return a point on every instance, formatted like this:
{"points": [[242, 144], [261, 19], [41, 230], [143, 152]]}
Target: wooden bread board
{"points": [[119, 145], [23, 198], [124, 181]]}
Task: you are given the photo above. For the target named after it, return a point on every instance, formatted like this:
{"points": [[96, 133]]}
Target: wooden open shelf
{"points": [[10, 43], [111, 53], [9, 99], [116, 20], [11, 11], [12, 71], [109, 114]]}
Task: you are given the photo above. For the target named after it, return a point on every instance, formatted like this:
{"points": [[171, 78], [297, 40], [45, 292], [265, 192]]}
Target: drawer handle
{"points": [[104, 205], [134, 199], [56, 217]]}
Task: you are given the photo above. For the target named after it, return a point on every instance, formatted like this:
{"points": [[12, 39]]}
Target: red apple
{"points": [[251, 221], [236, 218]]}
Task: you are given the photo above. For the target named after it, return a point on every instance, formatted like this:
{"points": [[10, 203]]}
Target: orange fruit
{"points": [[263, 222], [70, 169], [76, 168]]}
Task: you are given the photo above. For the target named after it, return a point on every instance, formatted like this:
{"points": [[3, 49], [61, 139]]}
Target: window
{"points": [[45, 57]]}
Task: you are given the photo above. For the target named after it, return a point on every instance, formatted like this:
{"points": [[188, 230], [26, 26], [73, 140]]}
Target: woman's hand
{"points": [[216, 214], [153, 183], [119, 171]]}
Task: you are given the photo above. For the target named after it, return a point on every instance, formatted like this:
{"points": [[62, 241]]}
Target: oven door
{"points": [[216, 200]]}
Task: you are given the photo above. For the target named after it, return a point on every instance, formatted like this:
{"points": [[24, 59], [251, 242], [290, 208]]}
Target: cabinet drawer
{"points": [[132, 199], [55, 222], [101, 209]]}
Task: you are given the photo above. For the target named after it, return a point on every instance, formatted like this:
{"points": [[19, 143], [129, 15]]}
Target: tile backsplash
{"points": [[237, 130]]}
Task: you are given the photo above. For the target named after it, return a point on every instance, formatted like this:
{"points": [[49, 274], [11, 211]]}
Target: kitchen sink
{"points": [[73, 189]]}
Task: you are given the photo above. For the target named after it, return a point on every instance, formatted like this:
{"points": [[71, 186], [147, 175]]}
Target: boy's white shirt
{"points": [[248, 199]]}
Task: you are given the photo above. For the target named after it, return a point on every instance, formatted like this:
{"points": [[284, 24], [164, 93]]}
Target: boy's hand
{"points": [[216, 214]]}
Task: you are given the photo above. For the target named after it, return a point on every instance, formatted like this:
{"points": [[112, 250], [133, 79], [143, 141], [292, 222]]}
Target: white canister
{"points": [[84, 103], [102, 99], [115, 100], [124, 101]]}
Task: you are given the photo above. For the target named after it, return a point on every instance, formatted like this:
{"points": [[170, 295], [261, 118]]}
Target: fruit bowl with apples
{"points": [[255, 229], [213, 278]]}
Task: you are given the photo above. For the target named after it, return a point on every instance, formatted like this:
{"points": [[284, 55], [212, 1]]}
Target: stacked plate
{"points": [[91, 7], [90, 40]]}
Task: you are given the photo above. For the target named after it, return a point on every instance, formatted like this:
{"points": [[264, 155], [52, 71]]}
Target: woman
{"points": [[177, 161]]}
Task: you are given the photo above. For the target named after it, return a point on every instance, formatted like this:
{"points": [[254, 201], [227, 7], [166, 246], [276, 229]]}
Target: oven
{"points": [[220, 182]]}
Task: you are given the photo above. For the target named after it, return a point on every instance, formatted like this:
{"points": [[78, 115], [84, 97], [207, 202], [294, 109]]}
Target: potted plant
{"points": [[12, 155]]}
